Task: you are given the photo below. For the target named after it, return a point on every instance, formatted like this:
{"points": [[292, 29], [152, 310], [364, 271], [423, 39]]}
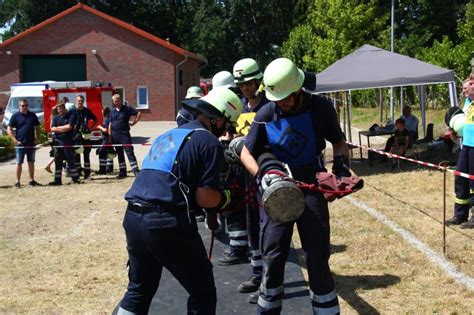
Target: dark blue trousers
{"points": [[275, 239], [126, 139], [463, 187], [160, 239], [253, 226]]}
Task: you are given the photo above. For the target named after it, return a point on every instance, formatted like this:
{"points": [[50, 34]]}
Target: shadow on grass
{"points": [[348, 286]]}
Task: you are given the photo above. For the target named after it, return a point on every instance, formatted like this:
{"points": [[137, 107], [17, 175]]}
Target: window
{"points": [[121, 91], [142, 97]]}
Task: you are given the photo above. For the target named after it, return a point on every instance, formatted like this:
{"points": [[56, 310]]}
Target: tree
{"points": [[335, 28]]}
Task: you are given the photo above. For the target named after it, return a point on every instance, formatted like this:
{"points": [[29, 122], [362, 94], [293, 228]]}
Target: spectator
{"points": [[63, 128], [411, 123], [54, 113], [106, 165], [119, 133], [465, 92], [184, 116], [401, 140], [26, 126]]}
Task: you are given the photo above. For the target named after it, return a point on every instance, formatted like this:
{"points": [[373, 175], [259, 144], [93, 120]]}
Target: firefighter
{"points": [[184, 115], [82, 134], [62, 128], [180, 172], [294, 126], [119, 132], [248, 77], [463, 187], [106, 153], [224, 79]]}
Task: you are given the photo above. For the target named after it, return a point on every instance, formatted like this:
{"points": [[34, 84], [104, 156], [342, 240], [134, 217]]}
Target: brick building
{"points": [[82, 43]]}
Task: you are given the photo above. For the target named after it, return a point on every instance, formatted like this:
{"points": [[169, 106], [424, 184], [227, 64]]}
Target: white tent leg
{"points": [[453, 97], [422, 95], [401, 100]]}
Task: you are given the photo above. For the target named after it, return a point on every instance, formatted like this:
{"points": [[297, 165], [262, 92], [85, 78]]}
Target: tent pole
{"points": [[381, 105], [422, 97], [344, 112], [392, 108], [401, 99], [452, 94], [349, 116]]}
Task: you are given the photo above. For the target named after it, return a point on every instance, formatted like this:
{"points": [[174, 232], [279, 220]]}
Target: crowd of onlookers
{"points": [[71, 126]]}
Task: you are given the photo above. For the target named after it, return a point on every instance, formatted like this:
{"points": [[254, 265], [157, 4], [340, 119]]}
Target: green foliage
{"points": [[313, 33], [6, 141], [335, 28], [43, 134]]}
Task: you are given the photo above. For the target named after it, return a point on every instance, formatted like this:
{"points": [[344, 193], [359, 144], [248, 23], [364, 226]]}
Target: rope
{"points": [[427, 164], [310, 187]]}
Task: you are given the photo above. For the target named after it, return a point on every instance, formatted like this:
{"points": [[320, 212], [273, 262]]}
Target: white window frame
{"points": [[142, 106], [124, 99]]}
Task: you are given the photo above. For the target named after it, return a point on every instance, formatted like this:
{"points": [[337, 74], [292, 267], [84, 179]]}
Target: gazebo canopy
{"points": [[372, 67]]}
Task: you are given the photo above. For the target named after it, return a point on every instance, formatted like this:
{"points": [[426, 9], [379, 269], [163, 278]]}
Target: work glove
{"points": [[231, 157], [340, 166]]}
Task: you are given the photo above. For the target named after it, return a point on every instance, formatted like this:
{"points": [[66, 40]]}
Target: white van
{"points": [[32, 92]]}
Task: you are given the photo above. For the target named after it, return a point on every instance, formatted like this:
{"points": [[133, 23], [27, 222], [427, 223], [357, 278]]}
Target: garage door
{"points": [[53, 67]]}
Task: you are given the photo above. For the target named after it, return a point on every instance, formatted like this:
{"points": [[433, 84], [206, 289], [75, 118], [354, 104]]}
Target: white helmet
{"points": [[194, 92], [223, 79], [281, 78], [218, 103]]}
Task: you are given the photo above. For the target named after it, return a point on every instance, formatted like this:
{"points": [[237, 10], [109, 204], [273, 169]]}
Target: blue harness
{"points": [[164, 150], [292, 139]]}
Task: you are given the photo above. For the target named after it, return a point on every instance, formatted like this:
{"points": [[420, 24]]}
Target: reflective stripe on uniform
{"points": [[238, 242], [256, 253], [324, 304], [267, 304], [462, 201], [270, 291], [323, 298], [326, 311], [237, 233], [256, 262], [471, 191]]}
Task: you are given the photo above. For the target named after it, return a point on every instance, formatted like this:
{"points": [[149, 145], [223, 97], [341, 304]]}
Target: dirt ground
{"points": [[62, 249]]}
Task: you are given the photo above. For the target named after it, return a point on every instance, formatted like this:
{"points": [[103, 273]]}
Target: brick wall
{"points": [[123, 58]]}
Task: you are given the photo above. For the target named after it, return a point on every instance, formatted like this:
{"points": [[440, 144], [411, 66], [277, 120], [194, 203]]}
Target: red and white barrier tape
{"points": [[81, 145], [435, 166]]}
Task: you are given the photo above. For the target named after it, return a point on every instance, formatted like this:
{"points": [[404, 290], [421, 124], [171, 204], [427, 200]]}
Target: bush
{"points": [[43, 134], [9, 151]]}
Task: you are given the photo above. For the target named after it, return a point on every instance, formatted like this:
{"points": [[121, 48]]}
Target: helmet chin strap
{"points": [[216, 131]]}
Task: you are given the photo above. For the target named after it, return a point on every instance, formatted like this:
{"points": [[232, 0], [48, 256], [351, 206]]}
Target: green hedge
{"points": [[6, 141]]}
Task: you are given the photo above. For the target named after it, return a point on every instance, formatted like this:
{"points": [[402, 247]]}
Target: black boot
{"points": [[253, 297], [455, 221], [468, 224], [231, 258], [251, 285]]}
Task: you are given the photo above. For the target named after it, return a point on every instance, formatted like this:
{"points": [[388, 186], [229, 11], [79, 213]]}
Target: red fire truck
{"points": [[95, 98]]}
